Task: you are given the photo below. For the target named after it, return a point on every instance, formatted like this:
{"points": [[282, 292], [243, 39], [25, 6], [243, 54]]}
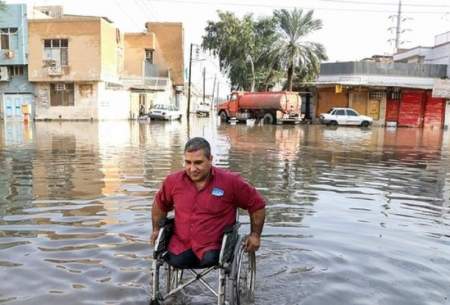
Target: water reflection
{"points": [[355, 216]]}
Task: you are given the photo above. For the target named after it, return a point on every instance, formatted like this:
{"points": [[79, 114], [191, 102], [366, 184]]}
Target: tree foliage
{"points": [[2, 5], [257, 53], [240, 45]]}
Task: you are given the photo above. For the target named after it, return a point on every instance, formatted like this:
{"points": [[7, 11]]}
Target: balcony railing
{"points": [[152, 70]]}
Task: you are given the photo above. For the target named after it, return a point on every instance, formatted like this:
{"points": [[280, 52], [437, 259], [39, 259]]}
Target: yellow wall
{"points": [[83, 53], [169, 36], [112, 54], [135, 45]]}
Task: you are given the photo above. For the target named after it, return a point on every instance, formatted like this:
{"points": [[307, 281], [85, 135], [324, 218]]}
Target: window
{"points": [[7, 36], [351, 113], [16, 70], [61, 94], [149, 55], [376, 95], [339, 112], [56, 50]]}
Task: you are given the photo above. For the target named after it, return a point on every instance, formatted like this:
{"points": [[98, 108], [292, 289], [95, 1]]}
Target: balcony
{"points": [[152, 70]]}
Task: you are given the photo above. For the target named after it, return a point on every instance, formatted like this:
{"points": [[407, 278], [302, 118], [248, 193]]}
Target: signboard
{"points": [[441, 88]]}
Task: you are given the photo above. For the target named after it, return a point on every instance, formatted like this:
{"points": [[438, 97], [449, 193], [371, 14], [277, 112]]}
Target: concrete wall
{"points": [[112, 104], [112, 52], [83, 48], [85, 104], [447, 115], [15, 16], [135, 45], [92, 101], [170, 38]]}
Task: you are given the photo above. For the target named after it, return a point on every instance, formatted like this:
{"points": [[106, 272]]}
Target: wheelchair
{"points": [[236, 270]]}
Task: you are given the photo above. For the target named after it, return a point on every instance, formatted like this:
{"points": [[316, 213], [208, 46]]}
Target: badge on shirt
{"points": [[217, 192]]}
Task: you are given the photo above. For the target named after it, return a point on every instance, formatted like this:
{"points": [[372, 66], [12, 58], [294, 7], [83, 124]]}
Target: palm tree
{"points": [[291, 50]]}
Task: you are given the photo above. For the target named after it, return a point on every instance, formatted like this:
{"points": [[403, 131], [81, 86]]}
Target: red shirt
{"points": [[202, 215]]}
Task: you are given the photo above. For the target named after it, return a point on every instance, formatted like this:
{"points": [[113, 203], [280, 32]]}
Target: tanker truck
{"points": [[270, 107]]}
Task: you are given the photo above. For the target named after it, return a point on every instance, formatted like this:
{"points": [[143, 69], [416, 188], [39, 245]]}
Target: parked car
{"points": [[345, 116], [164, 112]]}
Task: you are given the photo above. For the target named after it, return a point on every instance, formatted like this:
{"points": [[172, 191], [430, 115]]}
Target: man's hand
{"points": [[153, 237], [252, 243]]}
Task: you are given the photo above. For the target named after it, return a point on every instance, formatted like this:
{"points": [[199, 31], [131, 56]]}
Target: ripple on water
{"points": [[354, 216]]}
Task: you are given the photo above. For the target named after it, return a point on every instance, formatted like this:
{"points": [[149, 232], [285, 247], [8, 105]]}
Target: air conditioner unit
{"points": [[49, 62], [9, 54], [60, 87], [4, 75], [55, 71]]}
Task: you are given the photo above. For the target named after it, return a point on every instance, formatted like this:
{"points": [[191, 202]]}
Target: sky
{"points": [[352, 29]]}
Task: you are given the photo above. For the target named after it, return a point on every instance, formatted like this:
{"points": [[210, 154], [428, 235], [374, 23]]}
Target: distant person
{"points": [[205, 199]]}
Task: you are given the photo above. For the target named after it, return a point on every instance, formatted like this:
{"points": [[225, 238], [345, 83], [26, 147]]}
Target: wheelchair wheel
{"points": [[243, 275]]}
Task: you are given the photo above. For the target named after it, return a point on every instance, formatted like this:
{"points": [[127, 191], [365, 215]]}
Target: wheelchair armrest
{"points": [[230, 238], [165, 233]]}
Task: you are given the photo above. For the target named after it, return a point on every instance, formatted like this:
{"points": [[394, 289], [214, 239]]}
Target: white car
{"points": [[345, 116], [164, 112]]}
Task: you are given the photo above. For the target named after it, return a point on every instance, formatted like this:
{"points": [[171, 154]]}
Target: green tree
{"points": [[242, 46], [2, 5], [294, 54]]}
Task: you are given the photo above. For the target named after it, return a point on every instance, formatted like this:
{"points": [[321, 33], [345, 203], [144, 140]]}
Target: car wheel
{"points": [[333, 123], [364, 124]]}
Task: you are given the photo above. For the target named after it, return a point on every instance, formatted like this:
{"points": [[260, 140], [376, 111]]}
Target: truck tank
{"points": [[270, 100]]}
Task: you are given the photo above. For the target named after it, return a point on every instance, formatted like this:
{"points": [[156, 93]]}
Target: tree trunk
{"points": [[290, 75], [253, 73]]}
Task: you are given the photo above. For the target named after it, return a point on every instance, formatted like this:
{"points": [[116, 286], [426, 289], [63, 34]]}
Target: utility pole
{"points": [[188, 111], [398, 29], [214, 89], [399, 23], [204, 79]]}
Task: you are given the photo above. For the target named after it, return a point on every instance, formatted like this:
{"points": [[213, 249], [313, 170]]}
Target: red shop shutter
{"points": [[434, 111], [411, 108]]}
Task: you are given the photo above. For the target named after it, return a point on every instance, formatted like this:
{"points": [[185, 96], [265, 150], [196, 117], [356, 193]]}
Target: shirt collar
{"points": [[212, 174]]}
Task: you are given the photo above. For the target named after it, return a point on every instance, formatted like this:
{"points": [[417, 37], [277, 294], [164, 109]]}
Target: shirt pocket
{"points": [[217, 204]]}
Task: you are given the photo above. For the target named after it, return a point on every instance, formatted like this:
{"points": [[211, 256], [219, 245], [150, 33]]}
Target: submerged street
{"points": [[354, 215]]}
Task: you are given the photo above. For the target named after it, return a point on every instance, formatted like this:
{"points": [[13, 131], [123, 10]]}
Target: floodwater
{"points": [[354, 216]]}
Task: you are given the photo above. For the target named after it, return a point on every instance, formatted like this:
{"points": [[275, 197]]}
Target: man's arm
{"points": [[157, 215], [256, 224]]}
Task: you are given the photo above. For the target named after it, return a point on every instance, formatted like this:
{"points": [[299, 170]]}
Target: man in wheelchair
{"points": [[205, 200]]}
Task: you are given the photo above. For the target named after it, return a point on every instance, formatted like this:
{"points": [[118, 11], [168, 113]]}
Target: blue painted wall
{"points": [[17, 89], [15, 16]]}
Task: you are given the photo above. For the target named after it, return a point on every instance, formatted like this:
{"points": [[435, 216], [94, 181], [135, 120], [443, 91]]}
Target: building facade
{"points": [[16, 93], [146, 73], [396, 94], [75, 63]]}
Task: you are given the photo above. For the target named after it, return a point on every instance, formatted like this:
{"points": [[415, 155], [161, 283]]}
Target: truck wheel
{"points": [[269, 118], [365, 124], [223, 116]]}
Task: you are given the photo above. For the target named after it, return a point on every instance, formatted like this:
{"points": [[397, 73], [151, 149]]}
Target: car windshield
{"points": [[331, 110]]}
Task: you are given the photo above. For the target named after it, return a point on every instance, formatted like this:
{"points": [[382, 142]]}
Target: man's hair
{"points": [[198, 143]]}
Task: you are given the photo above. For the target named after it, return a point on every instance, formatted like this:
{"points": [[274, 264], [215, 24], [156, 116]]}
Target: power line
{"points": [[383, 11], [125, 12], [388, 3]]}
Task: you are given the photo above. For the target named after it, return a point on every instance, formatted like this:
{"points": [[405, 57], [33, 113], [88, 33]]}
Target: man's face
{"points": [[197, 165]]}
